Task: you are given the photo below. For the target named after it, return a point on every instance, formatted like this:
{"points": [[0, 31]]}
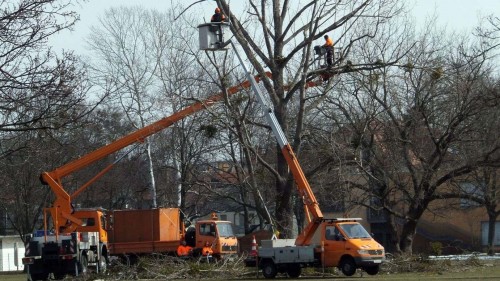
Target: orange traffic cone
{"points": [[253, 252]]}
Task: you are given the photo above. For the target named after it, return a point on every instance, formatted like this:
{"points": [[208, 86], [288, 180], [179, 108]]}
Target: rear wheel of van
{"points": [[39, 276], [294, 270], [347, 266], [372, 270], [59, 275], [269, 269]]}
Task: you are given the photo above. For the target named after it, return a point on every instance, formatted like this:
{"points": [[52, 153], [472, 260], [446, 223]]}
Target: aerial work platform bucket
{"points": [[212, 36]]}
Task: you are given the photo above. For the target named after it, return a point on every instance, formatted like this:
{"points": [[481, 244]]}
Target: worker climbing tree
{"points": [[329, 50]]}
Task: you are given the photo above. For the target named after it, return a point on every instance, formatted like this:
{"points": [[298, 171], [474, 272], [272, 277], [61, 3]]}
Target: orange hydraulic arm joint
{"points": [[304, 189], [61, 209]]}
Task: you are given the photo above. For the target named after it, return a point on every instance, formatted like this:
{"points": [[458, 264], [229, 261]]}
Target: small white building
{"points": [[11, 253]]}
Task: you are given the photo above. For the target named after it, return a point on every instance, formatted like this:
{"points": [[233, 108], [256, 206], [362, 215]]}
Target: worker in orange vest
{"points": [[184, 250], [207, 250], [329, 50]]}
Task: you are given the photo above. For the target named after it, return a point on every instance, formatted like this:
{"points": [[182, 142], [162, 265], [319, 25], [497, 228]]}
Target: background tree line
{"points": [[407, 116]]}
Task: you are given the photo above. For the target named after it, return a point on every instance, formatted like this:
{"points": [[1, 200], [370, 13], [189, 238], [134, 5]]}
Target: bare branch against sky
{"points": [[458, 15]]}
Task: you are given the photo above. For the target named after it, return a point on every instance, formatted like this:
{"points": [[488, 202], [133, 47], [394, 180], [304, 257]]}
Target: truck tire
{"points": [[39, 276], [59, 275], [102, 264], [372, 270], [83, 265], [269, 269], [294, 270], [347, 266]]}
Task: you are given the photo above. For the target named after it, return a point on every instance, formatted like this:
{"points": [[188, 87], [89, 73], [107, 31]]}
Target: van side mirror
{"points": [[338, 237]]}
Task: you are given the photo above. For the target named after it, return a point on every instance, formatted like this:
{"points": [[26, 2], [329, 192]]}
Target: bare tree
{"points": [[481, 186], [40, 93], [184, 146], [125, 59], [287, 34], [406, 123], [155, 74], [35, 86]]}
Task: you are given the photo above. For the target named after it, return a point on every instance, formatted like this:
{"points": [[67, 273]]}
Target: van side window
{"points": [[205, 229], [330, 232], [88, 221], [103, 222]]}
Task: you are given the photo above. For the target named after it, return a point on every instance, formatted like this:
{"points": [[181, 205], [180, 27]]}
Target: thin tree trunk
{"points": [[152, 176]]}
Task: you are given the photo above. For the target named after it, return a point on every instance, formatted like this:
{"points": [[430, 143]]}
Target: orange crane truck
{"points": [[337, 242], [89, 237], [341, 242]]}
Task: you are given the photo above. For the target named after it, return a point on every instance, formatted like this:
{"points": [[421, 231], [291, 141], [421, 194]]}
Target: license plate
{"points": [[377, 261]]}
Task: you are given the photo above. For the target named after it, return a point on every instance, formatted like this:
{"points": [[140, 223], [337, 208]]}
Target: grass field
{"points": [[476, 273], [480, 273], [395, 270]]}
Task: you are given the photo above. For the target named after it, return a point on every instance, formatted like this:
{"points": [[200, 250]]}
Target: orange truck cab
{"points": [[93, 220], [347, 245], [218, 234]]}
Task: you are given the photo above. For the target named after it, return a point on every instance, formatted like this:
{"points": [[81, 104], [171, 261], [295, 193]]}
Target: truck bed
{"points": [[145, 247], [285, 251]]}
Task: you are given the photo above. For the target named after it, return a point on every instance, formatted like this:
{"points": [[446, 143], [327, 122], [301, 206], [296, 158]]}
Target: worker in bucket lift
{"points": [[218, 16], [329, 50], [184, 250]]}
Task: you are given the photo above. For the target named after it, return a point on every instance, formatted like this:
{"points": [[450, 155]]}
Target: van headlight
{"points": [[363, 252]]}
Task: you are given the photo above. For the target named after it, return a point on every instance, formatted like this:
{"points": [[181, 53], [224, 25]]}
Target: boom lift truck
{"points": [[340, 242], [86, 237]]}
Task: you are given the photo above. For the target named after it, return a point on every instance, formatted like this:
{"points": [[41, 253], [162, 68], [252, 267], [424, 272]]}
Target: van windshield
{"points": [[225, 229], [355, 230]]}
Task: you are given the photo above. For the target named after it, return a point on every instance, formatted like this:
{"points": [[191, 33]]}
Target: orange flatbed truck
{"points": [[89, 237], [341, 242]]}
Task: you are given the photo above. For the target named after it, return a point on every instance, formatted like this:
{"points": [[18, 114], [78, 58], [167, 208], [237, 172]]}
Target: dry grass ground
{"points": [[404, 269]]}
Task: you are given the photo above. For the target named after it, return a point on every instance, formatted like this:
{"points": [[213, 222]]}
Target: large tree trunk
{"points": [[394, 236], [284, 213], [407, 235]]}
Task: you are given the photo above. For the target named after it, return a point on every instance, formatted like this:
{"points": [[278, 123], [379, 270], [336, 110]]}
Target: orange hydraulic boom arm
{"points": [[61, 209], [305, 191]]}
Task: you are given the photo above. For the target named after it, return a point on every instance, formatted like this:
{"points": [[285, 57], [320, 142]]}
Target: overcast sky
{"points": [[459, 15]]}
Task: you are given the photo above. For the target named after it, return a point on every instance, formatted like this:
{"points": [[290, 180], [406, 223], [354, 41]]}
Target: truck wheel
{"points": [[372, 270], [347, 266], [102, 265], [294, 271], [39, 276], [84, 263], [269, 269], [59, 275]]}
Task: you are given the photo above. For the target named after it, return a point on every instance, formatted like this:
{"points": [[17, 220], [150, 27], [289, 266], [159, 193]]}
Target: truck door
{"points": [[334, 245], [206, 233]]}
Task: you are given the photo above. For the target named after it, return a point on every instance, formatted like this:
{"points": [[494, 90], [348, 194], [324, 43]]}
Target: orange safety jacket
{"points": [[329, 42], [207, 251], [183, 250]]}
